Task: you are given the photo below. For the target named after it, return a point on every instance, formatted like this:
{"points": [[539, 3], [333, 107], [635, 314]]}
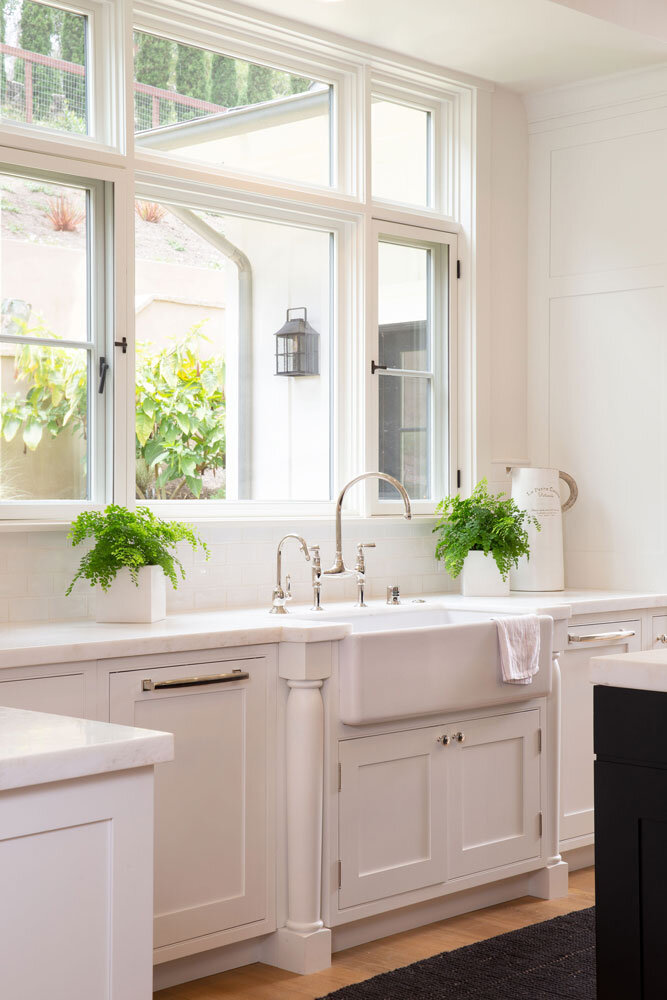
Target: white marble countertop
{"points": [[645, 671], [36, 643], [37, 748]]}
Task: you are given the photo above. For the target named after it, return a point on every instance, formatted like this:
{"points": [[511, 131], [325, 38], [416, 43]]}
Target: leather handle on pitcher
{"points": [[574, 491]]}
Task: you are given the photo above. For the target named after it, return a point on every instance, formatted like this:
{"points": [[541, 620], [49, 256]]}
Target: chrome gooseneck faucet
{"points": [[280, 595], [339, 566]]}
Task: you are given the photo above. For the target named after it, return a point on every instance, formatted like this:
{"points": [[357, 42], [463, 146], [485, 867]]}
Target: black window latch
{"points": [[375, 368], [104, 368]]}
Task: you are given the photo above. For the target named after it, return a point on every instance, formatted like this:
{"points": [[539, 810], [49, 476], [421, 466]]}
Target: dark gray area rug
{"points": [[553, 960]]}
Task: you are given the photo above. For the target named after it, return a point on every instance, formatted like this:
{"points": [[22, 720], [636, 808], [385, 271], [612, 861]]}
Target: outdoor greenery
{"points": [[209, 76], [224, 81], [59, 97], [482, 522], [180, 408], [132, 539], [180, 417]]}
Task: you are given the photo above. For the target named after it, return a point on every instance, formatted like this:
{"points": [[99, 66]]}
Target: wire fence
{"points": [[43, 90]]}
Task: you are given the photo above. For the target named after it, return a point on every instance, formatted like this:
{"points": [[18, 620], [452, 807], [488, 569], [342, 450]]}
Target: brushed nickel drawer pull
{"points": [[186, 682], [622, 633]]}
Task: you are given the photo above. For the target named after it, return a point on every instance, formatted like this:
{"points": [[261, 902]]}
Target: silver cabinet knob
{"points": [[444, 739], [460, 737], [661, 638]]}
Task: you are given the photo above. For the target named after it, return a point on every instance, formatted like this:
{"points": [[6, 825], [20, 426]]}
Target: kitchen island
{"points": [[630, 700], [76, 857]]}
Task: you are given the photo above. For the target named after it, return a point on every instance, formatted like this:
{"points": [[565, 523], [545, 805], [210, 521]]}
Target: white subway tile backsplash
{"points": [[37, 567]]}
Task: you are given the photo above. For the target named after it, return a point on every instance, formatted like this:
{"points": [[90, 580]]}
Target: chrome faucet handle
{"points": [[360, 570], [360, 566], [316, 574], [288, 587]]}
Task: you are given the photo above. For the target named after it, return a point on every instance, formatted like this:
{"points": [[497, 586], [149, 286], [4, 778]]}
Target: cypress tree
{"points": [[192, 77], [73, 49], [224, 84], [297, 84], [35, 30], [153, 61], [260, 84]]}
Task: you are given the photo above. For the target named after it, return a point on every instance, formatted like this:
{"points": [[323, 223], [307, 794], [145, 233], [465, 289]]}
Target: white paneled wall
{"points": [[597, 320], [36, 567]]}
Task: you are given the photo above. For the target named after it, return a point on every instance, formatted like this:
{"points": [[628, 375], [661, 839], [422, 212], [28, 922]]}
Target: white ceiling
{"points": [[525, 45]]}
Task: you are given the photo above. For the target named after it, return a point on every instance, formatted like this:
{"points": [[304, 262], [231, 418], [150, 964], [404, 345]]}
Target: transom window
{"points": [[195, 104]]}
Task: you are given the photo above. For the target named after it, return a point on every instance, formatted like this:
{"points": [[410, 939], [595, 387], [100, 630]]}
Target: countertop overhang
{"points": [[37, 748], [642, 671]]}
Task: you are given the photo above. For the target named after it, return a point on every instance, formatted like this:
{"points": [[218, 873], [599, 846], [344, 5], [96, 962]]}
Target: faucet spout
{"points": [[339, 567], [280, 594]]}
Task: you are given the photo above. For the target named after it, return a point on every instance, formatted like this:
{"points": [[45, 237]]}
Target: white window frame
{"points": [[356, 71], [105, 88], [100, 315], [443, 437]]}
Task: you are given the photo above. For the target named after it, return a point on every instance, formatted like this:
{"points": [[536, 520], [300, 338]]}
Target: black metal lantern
{"points": [[297, 346]]}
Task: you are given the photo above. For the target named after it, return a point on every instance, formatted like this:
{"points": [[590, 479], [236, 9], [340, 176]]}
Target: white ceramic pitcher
{"points": [[537, 491]]}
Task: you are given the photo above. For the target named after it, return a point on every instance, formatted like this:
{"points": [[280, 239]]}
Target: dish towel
{"points": [[519, 640]]}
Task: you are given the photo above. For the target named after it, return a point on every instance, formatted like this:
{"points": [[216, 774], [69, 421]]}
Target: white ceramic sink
{"points": [[420, 660]]}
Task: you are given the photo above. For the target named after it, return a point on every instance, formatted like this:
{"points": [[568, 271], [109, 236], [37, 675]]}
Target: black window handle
{"points": [[375, 368], [104, 368]]}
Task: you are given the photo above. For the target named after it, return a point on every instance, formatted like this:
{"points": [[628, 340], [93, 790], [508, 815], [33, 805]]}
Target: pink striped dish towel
{"points": [[519, 641]]}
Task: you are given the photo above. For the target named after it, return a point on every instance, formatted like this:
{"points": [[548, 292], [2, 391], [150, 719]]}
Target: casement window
{"points": [[413, 356], [240, 289], [53, 336]]}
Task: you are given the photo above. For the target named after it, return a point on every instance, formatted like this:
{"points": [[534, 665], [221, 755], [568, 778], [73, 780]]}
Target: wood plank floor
{"points": [[262, 982]]}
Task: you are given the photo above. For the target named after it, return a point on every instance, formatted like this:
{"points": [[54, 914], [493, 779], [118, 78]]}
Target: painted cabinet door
{"points": [[211, 801], [493, 815], [391, 814], [576, 758]]}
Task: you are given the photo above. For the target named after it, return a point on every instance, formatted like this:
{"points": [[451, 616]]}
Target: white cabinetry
{"points": [[421, 807], [213, 855], [576, 789], [62, 689]]}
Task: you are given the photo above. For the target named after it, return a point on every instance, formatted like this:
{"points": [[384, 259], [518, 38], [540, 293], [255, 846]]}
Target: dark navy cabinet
{"points": [[630, 737]]}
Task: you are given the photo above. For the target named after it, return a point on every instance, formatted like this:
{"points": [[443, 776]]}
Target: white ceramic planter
{"points": [[480, 577], [127, 602]]}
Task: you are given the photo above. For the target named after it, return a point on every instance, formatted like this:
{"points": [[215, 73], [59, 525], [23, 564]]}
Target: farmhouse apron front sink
{"points": [[423, 662]]}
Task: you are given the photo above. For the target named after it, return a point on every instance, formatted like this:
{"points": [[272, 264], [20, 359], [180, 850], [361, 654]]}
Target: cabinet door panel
{"points": [[576, 777], [494, 793], [210, 801], [392, 814]]}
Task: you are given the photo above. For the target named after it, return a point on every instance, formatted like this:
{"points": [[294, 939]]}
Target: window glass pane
{"points": [[45, 424], [214, 421], [404, 306], [405, 423], [200, 105], [400, 152], [43, 66], [44, 405]]}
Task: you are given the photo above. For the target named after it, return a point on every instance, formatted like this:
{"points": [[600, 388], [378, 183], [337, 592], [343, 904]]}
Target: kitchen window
{"points": [[414, 353], [53, 403], [194, 104], [155, 282]]}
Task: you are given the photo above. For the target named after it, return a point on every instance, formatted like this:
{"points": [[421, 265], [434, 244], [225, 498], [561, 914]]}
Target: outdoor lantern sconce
{"points": [[297, 346]]}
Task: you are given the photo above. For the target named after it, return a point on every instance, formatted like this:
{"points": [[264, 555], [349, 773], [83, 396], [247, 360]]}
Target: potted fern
{"points": [[481, 537], [133, 556]]}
